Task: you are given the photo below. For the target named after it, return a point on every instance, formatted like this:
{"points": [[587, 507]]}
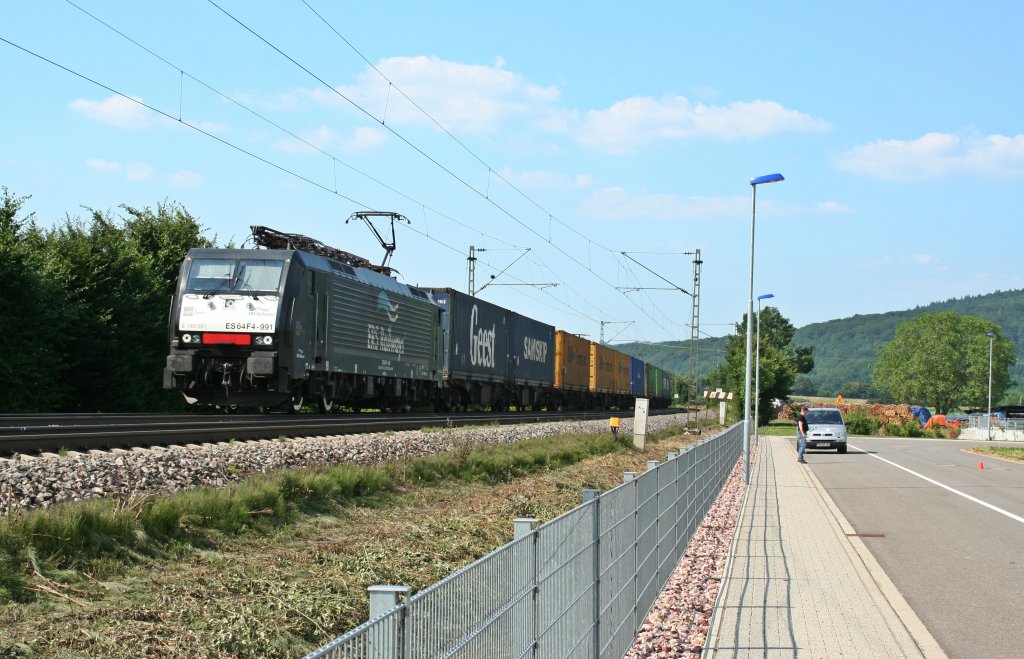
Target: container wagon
{"points": [[493, 356], [572, 370]]}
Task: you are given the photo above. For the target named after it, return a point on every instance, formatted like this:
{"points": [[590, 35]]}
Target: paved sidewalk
{"points": [[798, 585]]}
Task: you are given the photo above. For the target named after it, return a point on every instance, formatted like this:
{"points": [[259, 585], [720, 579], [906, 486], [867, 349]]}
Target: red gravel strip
{"points": [[677, 625]]}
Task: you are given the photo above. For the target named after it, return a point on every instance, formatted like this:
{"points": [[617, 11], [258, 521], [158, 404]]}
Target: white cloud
{"points": [[639, 121], [318, 138], [464, 98], [208, 126], [937, 155], [905, 261], [138, 171], [365, 139], [617, 203], [831, 208], [185, 179], [547, 180], [116, 111], [324, 138], [104, 166]]}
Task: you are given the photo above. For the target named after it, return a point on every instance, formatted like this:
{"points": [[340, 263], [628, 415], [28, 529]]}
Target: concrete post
{"points": [[391, 639], [523, 526]]}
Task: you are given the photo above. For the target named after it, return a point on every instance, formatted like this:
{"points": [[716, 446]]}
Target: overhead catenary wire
{"points": [[330, 188], [440, 165], [334, 158]]}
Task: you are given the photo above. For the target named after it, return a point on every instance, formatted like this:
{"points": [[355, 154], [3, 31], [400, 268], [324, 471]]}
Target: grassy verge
{"points": [[778, 428], [1009, 452], [278, 564]]}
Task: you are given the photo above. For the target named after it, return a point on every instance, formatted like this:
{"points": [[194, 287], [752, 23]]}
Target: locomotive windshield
{"points": [[211, 275]]}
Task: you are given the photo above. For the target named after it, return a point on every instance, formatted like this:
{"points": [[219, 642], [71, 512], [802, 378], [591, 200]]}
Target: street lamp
{"points": [[990, 336], [757, 364], [754, 182]]}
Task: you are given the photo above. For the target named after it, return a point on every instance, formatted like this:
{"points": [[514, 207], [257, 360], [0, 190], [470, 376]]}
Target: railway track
{"points": [[39, 433]]}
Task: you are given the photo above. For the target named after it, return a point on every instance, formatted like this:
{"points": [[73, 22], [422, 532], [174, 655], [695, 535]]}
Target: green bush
{"points": [[912, 428], [859, 422]]}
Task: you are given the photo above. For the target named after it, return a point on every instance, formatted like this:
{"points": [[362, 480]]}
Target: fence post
{"points": [[390, 643], [524, 526], [595, 496], [628, 476]]}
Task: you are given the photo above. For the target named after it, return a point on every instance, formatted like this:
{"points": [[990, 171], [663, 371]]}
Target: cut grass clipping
{"points": [[98, 536]]}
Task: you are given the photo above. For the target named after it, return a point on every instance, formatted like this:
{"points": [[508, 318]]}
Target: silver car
{"points": [[826, 429]]}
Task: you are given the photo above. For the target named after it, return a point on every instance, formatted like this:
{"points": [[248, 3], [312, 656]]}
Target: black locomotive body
{"points": [[264, 328]]}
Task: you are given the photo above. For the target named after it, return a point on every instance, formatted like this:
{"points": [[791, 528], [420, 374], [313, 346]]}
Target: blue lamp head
{"points": [[989, 334], [767, 178], [765, 296]]}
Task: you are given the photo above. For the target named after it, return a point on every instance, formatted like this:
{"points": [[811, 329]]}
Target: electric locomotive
{"points": [[299, 322]]}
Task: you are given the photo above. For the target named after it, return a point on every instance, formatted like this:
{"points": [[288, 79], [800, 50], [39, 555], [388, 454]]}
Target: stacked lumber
{"points": [[884, 413], [890, 413]]}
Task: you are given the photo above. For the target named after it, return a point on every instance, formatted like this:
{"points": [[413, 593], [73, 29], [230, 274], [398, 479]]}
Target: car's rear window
{"points": [[824, 416]]}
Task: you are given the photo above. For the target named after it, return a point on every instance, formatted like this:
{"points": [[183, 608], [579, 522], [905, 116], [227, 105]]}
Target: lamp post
{"points": [[754, 182], [757, 364], [990, 336]]}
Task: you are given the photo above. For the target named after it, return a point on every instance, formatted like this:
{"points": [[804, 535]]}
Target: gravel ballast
{"points": [[32, 482]]}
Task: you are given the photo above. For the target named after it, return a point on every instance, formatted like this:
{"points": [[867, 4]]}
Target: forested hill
{"points": [[674, 356], [845, 349]]}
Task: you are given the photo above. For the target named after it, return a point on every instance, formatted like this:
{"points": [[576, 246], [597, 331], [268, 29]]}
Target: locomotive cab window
{"points": [[235, 275]]}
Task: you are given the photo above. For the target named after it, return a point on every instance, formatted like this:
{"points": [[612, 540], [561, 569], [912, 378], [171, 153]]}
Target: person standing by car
{"points": [[801, 435]]}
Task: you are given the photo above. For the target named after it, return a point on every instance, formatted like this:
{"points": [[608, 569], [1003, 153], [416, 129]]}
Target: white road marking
{"points": [[946, 487]]}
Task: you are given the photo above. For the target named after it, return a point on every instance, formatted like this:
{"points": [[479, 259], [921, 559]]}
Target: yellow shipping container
{"points": [[622, 364], [602, 369], [572, 362]]}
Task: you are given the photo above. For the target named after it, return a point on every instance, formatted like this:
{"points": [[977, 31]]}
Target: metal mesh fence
{"points": [[578, 586]]}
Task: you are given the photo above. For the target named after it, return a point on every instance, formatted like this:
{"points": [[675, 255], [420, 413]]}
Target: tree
{"points": [[83, 307], [942, 360], [781, 361], [29, 308]]}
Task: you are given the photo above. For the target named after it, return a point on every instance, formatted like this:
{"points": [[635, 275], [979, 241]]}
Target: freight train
{"points": [[299, 322]]}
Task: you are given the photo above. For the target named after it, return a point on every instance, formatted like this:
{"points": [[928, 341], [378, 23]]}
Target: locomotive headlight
{"points": [[263, 340], [267, 340], [186, 338]]}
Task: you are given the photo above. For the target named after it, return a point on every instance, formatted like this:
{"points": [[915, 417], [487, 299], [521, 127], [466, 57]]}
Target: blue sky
{"points": [[576, 130]]}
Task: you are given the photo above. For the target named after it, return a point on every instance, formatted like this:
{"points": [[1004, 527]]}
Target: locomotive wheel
{"points": [[326, 405], [295, 404]]}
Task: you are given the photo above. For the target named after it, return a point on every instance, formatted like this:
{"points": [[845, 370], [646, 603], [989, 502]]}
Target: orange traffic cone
{"points": [[981, 465]]}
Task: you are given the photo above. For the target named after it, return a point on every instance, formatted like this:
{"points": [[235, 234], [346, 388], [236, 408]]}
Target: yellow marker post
{"points": [[614, 423]]}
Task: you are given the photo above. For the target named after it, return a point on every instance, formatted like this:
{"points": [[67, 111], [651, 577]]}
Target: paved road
{"points": [[956, 556]]}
